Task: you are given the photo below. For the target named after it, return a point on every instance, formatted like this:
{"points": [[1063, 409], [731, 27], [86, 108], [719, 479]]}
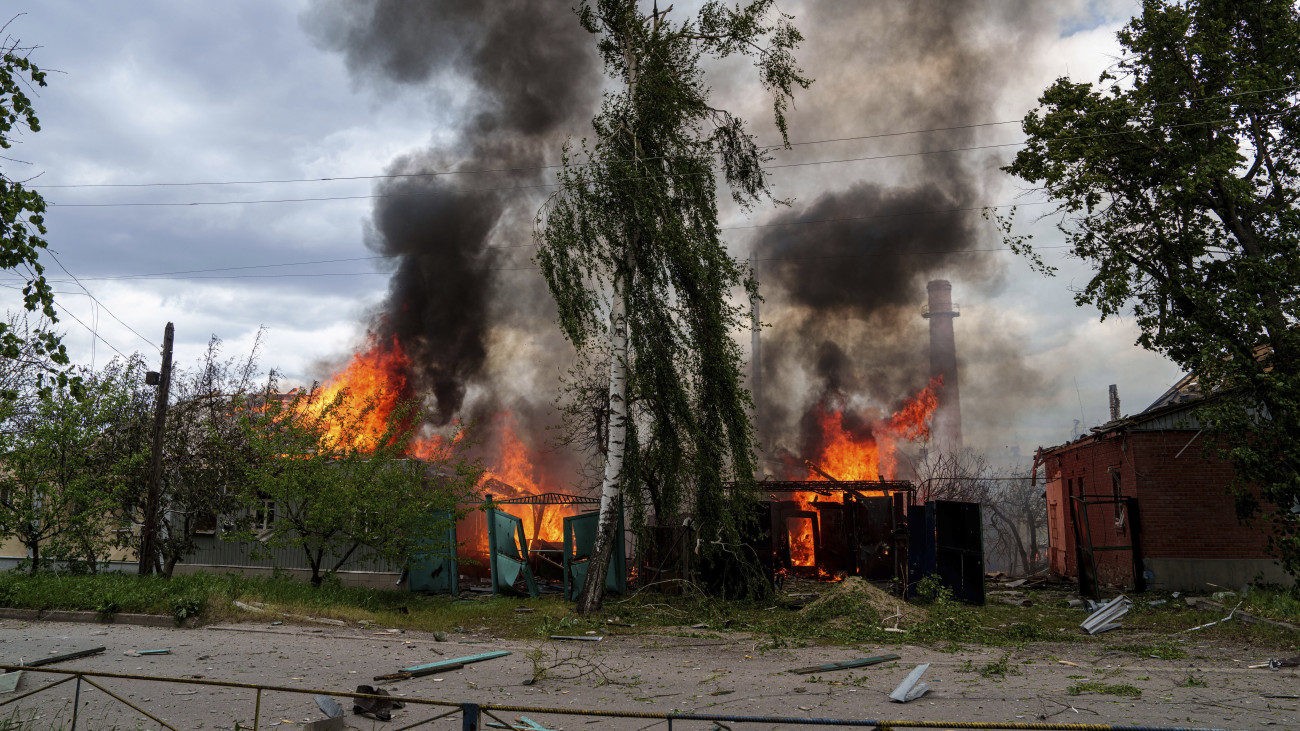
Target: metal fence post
{"points": [[470, 717], [257, 709], [76, 703]]}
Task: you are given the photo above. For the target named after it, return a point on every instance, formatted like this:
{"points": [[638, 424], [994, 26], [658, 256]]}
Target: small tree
{"points": [[630, 249], [1177, 180], [325, 485], [66, 464]]}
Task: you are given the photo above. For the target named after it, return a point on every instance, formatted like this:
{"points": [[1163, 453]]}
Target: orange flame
{"points": [[848, 454], [375, 380], [513, 470]]}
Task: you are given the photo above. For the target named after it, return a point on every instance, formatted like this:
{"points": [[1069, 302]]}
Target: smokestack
{"points": [[1114, 402], [946, 430], [755, 356]]}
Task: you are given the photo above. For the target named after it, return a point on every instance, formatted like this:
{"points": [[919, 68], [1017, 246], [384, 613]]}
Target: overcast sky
{"points": [[149, 92]]}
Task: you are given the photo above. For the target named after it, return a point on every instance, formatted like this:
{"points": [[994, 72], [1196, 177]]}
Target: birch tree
{"points": [[630, 249]]}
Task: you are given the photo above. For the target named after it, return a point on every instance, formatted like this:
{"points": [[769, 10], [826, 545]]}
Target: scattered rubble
{"points": [[1103, 619], [845, 665], [911, 688]]}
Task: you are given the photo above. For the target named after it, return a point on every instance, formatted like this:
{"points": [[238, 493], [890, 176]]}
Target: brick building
{"points": [[1140, 500]]}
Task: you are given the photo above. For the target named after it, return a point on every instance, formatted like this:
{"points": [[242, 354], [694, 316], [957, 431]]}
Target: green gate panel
{"points": [[579, 542], [434, 567], [507, 553]]}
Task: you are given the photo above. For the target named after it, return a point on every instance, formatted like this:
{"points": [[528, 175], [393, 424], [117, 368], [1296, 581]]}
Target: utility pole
{"points": [[163, 380]]}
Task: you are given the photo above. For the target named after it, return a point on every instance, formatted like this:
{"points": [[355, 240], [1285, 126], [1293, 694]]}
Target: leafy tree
{"points": [[22, 223], [324, 485], [1176, 179], [630, 249], [67, 461]]}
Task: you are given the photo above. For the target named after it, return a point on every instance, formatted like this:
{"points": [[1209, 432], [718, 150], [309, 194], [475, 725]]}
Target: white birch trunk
{"points": [[593, 590]]}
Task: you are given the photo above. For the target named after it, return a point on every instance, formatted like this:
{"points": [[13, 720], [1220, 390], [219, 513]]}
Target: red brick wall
{"points": [[1185, 509]]}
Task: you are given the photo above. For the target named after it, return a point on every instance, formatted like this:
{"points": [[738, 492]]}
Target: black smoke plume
{"points": [[531, 78], [844, 297]]}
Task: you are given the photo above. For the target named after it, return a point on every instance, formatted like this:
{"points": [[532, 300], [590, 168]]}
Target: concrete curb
{"points": [[59, 615]]}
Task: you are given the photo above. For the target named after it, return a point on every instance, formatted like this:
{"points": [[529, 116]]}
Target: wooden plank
{"points": [[462, 660], [65, 656], [847, 664]]}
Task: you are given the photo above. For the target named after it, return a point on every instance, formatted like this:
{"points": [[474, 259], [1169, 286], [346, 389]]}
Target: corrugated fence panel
{"points": [[213, 551]]}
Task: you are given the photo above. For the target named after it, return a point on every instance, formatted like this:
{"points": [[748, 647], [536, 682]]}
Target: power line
{"points": [[373, 196], [97, 302], [842, 219], [521, 168], [96, 334]]}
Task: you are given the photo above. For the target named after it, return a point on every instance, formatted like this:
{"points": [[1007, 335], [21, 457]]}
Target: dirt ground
{"points": [[667, 671]]}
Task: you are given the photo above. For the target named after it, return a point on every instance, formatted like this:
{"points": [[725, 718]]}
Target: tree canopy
{"points": [[630, 248], [1175, 178], [22, 221]]}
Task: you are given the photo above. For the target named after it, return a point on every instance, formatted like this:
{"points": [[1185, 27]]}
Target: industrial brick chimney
{"points": [[946, 428]]}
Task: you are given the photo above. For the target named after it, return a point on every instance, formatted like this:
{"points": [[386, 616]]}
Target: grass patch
{"points": [[1123, 690], [1192, 682], [1163, 649]]}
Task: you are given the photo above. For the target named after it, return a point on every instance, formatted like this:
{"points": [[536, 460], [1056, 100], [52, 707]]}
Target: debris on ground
{"points": [[9, 681], [455, 663], [578, 638], [1211, 624], [911, 688], [855, 597], [1103, 619], [247, 607], [333, 720], [1203, 603], [164, 651], [379, 708], [845, 665], [75, 654], [1290, 662], [329, 706]]}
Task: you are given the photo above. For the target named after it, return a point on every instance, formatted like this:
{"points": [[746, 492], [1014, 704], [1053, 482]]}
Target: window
{"points": [[264, 517], [205, 524], [1117, 494]]}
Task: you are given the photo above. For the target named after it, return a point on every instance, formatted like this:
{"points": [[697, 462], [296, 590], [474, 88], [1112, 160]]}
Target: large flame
{"points": [[375, 382], [514, 473], [869, 454]]}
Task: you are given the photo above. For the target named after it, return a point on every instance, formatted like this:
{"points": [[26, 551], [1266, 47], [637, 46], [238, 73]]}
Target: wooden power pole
{"points": [[149, 532]]}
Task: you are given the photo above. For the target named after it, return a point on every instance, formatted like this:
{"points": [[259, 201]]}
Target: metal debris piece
{"points": [[1014, 584], [247, 607], [1157, 603], [9, 681], [329, 706], [1290, 662], [596, 638], [845, 665], [165, 651], [442, 666], [380, 708], [326, 724], [1103, 619], [1211, 624], [65, 656], [911, 688]]}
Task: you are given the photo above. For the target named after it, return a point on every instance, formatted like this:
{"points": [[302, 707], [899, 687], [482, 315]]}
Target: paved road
{"points": [[727, 673]]}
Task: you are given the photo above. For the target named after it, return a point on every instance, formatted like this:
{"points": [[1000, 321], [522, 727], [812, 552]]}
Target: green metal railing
{"points": [[472, 714]]}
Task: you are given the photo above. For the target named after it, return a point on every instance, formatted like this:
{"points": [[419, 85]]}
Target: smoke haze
{"points": [[533, 79]]}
